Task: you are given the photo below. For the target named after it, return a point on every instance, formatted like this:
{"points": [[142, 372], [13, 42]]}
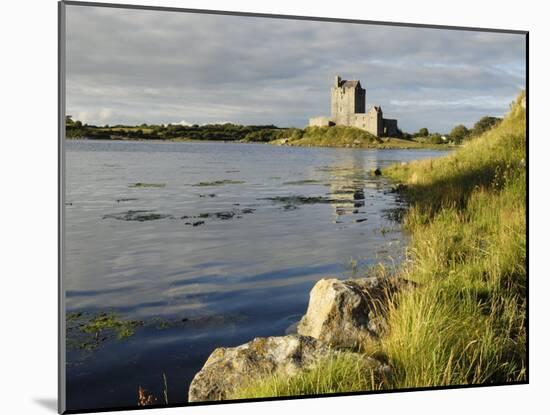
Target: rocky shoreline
{"points": [[342, 316]]}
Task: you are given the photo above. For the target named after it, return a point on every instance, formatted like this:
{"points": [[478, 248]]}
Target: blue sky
{"points": [[135, 66]]}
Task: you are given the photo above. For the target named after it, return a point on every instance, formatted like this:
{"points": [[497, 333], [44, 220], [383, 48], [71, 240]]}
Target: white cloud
{"points": [[135, 66], [105, 114]]}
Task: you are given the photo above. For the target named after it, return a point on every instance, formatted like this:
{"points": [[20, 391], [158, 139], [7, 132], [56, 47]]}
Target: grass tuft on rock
{"points": [[341, 371]]}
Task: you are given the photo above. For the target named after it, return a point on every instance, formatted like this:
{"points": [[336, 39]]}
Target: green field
{"points": [[349, 137]]}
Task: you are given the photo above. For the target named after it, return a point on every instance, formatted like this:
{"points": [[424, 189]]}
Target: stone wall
{"points": [[320, 122], [342, 105], [371, 121], [390, 127]]}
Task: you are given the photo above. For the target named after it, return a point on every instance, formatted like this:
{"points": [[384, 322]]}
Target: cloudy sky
{"points": [[135, 66]]}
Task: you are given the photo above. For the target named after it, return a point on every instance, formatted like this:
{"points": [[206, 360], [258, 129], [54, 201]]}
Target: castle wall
{"points": [[342, 104], [360, 98], [390, 127], [345, 103], [372, 122], [320, 122]]}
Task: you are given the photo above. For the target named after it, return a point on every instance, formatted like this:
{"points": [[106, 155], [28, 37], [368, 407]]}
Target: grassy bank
{"points": [[339, 136], [465, 321], [350, 137]]}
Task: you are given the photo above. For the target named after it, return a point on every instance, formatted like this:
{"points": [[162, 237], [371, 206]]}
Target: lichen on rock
{"points": [[231, 367], [341, 314], [348, 313]]}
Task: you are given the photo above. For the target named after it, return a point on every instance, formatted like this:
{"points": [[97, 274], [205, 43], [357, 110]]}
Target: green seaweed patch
{"points": [[137, 215], [163, 325], [87, 331], [222, 215], [111, 322], [395, 214], [292, 202], [154, 185], [218, 183], [357, 193], [159, 323], [343, 192], [73, 316], [305, 181], [195, 224], [300, 200]]}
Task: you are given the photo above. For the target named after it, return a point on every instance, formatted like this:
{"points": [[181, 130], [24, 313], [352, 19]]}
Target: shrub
{"points": [[423, 132], [458, 133], [484, 124]]}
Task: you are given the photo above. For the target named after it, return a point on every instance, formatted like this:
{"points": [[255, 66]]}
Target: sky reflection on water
{"points": [[232, 278]]}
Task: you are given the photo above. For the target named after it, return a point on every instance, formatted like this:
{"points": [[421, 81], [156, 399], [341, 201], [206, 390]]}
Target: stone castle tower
{"points": [[347, 98], [347, 107]]}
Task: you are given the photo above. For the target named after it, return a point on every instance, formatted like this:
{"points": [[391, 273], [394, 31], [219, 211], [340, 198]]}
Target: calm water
{"points": [[243, 273]]}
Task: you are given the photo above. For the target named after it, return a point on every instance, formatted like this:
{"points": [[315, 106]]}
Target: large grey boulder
{"points": [[348, 313], [228, 368]]}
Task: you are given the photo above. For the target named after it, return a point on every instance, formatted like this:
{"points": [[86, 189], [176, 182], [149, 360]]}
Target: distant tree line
{"points": [[424, 136], [458, 134], [221, 132], [250, 133]]}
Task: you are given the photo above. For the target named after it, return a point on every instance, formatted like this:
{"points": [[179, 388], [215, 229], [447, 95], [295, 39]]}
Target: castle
{"points": [[347, 107]]}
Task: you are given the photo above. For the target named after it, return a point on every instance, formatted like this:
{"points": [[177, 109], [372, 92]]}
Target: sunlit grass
{"points": [[465, 321], [341, 371]]}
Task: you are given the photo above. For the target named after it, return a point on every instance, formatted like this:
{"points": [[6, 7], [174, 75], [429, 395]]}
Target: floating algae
{"points": [[217, 183], [223, 215], [306, 181], [154, 185], [88, 331], [395, 214], [137, 215], [292, 202]]}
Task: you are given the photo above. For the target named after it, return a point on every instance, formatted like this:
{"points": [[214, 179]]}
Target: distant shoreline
{"points": [[333, 136], [396, 144]]}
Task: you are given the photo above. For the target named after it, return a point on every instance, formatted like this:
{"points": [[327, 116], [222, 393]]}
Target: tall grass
{"points": [[465, 321], [340, 371]]}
